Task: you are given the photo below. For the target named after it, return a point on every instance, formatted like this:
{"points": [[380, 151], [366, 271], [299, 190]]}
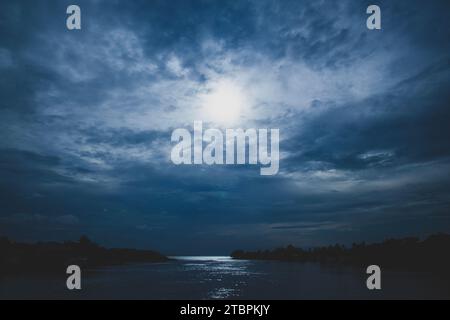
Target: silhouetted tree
{"points": [[407, 253], [54, 257]]}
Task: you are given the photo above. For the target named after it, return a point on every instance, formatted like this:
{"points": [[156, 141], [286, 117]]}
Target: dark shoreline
{"points": [[409, 254], [51, 257]]}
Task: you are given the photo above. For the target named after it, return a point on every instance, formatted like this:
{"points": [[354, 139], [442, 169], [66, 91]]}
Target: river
{"points": [[200, 277]]}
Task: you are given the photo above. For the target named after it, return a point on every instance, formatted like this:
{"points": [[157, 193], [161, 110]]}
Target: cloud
{"points": [[41, 219], [86, 120]]}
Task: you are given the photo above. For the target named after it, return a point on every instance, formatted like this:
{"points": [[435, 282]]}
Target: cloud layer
{"points": [[86, 118]]}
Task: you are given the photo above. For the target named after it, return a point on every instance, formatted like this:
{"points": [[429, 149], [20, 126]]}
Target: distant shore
{"points": [[49, 257], [412, 254]]}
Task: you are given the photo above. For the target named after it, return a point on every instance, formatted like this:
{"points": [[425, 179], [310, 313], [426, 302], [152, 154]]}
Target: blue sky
{"points": [[86, 118]]}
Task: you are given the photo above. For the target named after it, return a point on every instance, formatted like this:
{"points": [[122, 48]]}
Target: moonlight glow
{"points": [[225, 103]]}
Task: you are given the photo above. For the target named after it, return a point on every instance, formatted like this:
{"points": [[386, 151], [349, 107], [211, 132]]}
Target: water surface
{"points": [[224, 278]]}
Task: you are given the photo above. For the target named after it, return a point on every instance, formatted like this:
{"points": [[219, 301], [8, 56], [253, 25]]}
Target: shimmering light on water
{"points": [[225, 278], [215, 271]]}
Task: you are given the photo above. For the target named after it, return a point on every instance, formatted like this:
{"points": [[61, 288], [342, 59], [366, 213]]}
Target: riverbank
{"points": [[409, 254], [51, 257]]}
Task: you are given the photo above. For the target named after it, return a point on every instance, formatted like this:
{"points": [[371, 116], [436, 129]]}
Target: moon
{"points": [[225, 103]]}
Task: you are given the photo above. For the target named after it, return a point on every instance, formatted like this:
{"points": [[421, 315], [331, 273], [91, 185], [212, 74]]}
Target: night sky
{"points": [[86, 118]]}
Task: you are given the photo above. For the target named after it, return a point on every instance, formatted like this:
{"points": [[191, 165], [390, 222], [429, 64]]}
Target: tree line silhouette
{"points": [[431, 254], [52, 256]]}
